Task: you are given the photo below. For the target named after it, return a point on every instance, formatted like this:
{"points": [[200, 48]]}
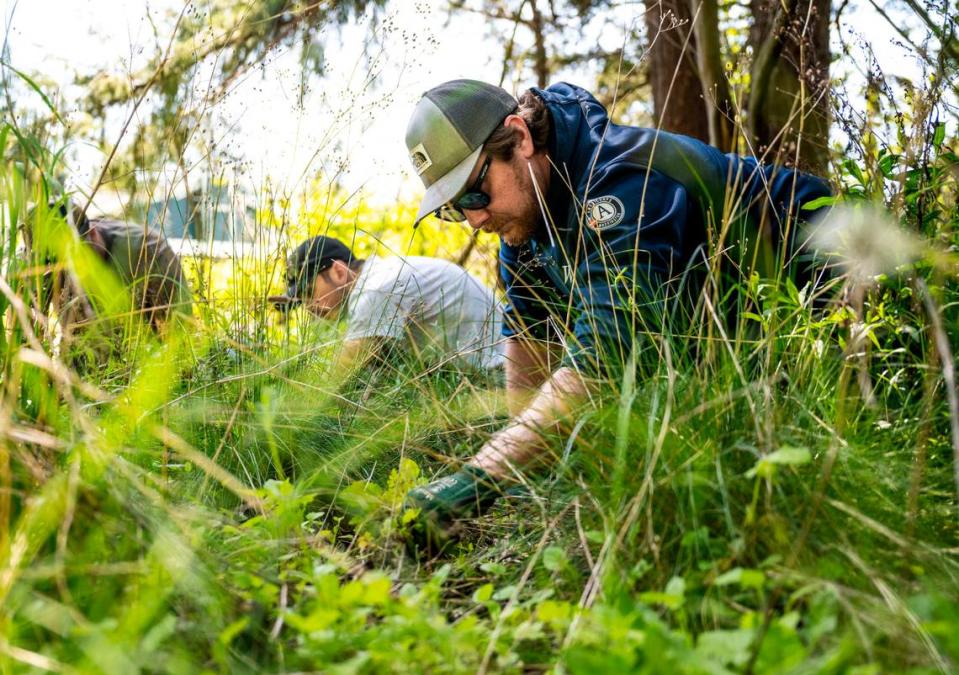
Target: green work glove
{"points": [[468, 493]]}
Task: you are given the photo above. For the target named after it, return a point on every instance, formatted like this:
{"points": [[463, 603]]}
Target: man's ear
{"points": [[339, 272], [525, 146], [94, 237]]}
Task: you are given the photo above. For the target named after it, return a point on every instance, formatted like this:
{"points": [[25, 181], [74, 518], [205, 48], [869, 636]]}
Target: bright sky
{"points": [[261, 120]]}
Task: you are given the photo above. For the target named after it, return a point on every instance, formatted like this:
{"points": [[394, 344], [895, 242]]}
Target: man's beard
{"points": [[520, 229], [520, 232]]}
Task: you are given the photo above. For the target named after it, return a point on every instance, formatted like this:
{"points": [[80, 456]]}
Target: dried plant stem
{"points": [[930, 382], [948, 372]]}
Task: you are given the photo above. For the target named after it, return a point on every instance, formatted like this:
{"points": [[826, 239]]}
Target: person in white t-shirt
{"points": [[437, 309]]}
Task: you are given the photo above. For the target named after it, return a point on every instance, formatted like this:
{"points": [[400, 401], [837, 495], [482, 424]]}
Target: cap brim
{"points": [[448, 187], [283, 303]]}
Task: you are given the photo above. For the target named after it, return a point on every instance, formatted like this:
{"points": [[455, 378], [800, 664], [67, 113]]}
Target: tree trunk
{"points": [[540, 61], [719, 109], [788, 100], [677, 93]]}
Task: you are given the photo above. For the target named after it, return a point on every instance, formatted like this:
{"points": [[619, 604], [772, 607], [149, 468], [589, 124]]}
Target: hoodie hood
{"points": [[583, 139]]}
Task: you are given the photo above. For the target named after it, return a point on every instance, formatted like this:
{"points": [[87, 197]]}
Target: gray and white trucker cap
{"points": [[446, 133]]}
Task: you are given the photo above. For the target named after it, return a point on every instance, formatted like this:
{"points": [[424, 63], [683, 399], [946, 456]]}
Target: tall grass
{"points": [[773, 495]]}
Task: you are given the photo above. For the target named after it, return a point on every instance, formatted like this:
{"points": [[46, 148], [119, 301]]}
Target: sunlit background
{"points": [[348, 124]]}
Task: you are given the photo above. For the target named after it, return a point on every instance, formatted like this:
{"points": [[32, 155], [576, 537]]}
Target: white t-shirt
{"points": [[441, 308]]}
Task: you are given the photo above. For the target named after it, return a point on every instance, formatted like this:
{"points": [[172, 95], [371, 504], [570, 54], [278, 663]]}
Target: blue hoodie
{"points": [[629, 211]]}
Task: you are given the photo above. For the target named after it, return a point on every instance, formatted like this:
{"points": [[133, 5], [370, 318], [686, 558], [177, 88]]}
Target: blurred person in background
{"points": [[433, 309], [141, 260]]}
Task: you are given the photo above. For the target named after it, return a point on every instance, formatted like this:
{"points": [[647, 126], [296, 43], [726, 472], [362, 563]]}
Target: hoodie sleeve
{"points": [[774, 200], [772, 193], [621, 276]]}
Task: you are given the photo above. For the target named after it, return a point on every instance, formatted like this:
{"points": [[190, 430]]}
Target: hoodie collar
{"points": [[573, 111]]}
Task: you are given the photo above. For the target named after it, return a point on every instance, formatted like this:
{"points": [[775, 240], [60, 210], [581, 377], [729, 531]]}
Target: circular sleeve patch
{"points": [[604, 212]]}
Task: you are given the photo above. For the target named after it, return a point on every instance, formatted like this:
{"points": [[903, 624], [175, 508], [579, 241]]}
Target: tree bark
{"points": [[720, 112], [788, 102], [540, 61], [678, 104]]}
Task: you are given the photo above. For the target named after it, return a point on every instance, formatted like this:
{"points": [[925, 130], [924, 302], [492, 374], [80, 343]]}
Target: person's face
{"points": [[329, 291], [513, 212]]}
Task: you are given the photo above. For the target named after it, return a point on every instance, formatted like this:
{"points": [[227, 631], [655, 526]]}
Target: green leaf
{"points": [[676, 586], [439, 576], [319, 619], [483, 593], [554, 611], [672, 597], [729, 647], [377, 592], [402, 479], [747, 578], [793, 292], [33, 85], [787, 454], [554, 559], [938, 136], [494, 568], [855, 171], [818, 203], [887, 163], [595, 536], [234, 629], [665, 599]]}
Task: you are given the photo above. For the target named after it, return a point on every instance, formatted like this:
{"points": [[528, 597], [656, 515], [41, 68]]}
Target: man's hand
{"points": [[468, 493]]}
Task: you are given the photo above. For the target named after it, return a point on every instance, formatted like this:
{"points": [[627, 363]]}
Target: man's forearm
{"points": [[522, 442], [528, 366], [349, 358]]}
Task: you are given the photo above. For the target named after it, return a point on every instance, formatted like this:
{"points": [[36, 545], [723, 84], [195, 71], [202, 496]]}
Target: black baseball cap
{"points": [[307, 260]]}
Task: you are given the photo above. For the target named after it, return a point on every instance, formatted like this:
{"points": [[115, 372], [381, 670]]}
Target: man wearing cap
{"points": [[436, 308], [598, 224]]}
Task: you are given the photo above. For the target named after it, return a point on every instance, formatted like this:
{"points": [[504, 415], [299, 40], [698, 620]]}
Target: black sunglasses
{"points": [[471, 199]]}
